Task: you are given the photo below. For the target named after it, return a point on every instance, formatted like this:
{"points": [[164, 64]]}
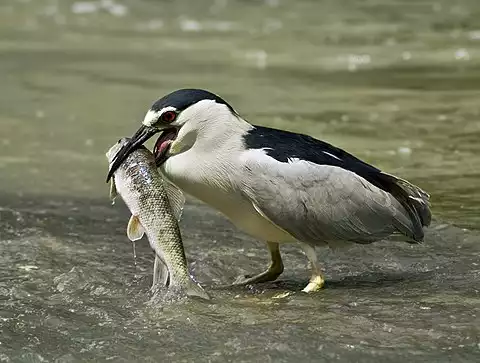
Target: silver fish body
{"points": [[155, 212]]}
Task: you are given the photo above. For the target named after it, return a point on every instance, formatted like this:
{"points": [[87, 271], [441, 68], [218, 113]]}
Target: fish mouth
{"points": [[162, 146], [136, 141]]}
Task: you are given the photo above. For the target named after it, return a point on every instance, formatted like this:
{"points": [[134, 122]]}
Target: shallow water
{"points": [[394, 82]]}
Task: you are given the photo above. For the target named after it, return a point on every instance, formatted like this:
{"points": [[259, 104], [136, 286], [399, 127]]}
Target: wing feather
{"points": [[319, 203]]}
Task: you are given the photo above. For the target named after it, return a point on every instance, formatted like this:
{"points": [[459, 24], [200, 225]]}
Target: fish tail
{"points": [[194, 289]]}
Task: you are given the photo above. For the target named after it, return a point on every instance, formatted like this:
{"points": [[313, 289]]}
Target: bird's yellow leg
{"points": [[274, 270], [316, 281]]}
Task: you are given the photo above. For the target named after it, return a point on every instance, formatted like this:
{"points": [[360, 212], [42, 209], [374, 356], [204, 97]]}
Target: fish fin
{"points": [[195, 290], [113, 190], [135, 229], [176, 199], [161, 274]]}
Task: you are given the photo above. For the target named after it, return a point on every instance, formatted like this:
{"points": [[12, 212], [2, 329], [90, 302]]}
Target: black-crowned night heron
{"points": [[275, 185]]}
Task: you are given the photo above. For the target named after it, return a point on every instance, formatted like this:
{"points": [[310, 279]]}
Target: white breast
{"points": [[211, 182]]}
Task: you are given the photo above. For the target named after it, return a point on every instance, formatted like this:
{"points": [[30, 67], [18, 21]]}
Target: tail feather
{"points": [[419, 199], [414, 200]]}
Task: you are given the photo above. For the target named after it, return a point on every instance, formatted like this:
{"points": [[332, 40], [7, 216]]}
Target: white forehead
{"points": [[152, 116]]}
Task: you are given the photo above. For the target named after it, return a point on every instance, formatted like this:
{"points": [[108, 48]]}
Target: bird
{"points": [[277, 186]]}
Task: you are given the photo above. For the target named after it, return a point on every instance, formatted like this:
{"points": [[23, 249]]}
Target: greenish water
{"points": [[397, 83]]}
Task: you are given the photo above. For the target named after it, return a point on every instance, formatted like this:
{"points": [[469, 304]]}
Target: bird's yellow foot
{"points": [[274, 270], [315, 284]]}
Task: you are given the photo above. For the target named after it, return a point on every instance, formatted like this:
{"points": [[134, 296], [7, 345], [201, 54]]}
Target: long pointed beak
{"points": [[137, 140]]}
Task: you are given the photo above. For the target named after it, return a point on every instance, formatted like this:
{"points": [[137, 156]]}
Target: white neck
{"points": [[210, 127]]}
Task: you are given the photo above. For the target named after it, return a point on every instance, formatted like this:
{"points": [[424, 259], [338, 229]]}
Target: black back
{"points": [[282, 145]]}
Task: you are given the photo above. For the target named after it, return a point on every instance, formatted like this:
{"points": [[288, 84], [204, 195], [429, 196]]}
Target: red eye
{"points": [[169, 116]]}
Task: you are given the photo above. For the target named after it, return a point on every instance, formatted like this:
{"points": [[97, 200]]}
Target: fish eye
{"points": [[169, 116]]}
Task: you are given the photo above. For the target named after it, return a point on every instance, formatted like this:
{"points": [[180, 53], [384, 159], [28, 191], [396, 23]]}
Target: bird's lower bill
{"points": [[160, 150]]}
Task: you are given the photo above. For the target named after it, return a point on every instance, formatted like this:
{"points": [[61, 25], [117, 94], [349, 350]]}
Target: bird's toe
{"points": [[315, 284], [242, 279]]}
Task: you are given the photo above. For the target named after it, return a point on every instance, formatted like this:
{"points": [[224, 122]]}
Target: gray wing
{"points": [[320, 203]]}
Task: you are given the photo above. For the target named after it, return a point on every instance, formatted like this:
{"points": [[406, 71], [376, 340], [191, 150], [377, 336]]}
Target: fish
{"points": [[156, 206]]}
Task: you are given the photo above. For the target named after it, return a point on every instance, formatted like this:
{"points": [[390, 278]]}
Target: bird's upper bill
{"points": [[141, 136]]}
